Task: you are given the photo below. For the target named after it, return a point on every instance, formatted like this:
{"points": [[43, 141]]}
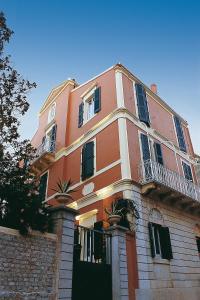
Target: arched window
{"points": [[52, 112], [159, 236]]}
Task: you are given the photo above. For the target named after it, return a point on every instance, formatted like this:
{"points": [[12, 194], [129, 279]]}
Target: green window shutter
{"points": [[158, 153], [80, 115], [142, 104], [165, 243], [198, 243], [145, 147], [53, 138], [151, 239], [43, 186], [187, 172], [88, 160], [97, 100], [180, 135]]}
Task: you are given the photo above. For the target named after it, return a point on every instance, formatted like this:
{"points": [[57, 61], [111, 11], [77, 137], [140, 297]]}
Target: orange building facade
{"points": [[116, 138]]}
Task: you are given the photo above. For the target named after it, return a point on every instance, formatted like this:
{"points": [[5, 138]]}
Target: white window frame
{"points": [[86, 100], [50, 119], [95, 154], [187, 163], [154, 242]]}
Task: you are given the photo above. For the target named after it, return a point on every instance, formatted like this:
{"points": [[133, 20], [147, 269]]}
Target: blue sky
{"points": [[158, 41]]}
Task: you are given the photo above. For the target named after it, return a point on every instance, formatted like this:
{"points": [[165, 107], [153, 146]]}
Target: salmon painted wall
{"points": [[60, 119], [101, 205], [129, 97], [170, 159], [157, 113], [108, 103], [107, 152]]}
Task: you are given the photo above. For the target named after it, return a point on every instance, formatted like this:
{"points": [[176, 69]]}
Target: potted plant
{"points": [[114, 214], [63, 191], [129, 213]]}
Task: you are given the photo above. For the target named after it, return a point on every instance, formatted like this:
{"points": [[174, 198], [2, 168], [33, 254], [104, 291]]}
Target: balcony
{"points": [[45, 156], [162, 184]]}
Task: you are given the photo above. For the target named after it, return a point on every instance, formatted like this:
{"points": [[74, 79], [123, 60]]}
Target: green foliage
{"points": [[63, 187], [113, 210], [20, 204]]}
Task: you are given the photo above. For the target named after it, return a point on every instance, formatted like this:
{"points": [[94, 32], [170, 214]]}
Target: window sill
{"points": [[85, 122], [161, 261]]}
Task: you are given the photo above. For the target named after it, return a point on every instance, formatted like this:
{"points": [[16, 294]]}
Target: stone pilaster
{"points": [[119, 263], [63, 218]]}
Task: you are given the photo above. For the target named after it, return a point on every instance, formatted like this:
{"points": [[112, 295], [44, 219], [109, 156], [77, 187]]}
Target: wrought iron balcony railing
{"points": [[152, 171], [47, 147]]}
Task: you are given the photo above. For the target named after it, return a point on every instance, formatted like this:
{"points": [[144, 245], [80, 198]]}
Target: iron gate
{"points": [[91, 265]]}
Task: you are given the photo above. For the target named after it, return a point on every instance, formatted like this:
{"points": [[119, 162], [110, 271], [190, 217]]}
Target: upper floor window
{"points": [[160, 241], [146, 154], [187, 171], [49, 140], [180, 135], [151, 150], [43, 186], [52, 113], [142, 105], [87, 160], [158, 153], [90, 106]]}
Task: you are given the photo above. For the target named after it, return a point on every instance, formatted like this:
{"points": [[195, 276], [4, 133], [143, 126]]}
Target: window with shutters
{"points": [[43, 186], [142, 105], [187, 171], [88, 160], [179, 133], [158, 153], [198, 244], [160, 241], [90, 106], [146, 155], [49, 140]]}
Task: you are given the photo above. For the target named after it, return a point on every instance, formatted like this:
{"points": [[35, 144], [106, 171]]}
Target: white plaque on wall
{"points": [[88, 188]]}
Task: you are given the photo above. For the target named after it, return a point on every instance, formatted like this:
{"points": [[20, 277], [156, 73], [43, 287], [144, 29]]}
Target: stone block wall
{"points": [[27, 265], [158, 278]]}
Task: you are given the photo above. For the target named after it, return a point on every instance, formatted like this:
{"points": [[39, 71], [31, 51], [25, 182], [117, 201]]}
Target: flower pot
{"points": [[114, 219], [62, 198]]}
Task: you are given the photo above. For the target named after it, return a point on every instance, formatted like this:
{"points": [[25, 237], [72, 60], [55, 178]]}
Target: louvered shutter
{"points": [[187, 172], [151, 239], [158, 153], [80, 114], [88, 160], [146, 156], [98, 240], [180, 135], [43, 186], [165, 243], [53, 138], [142, 104], [97, 100], [198, 244], [145, 147]]}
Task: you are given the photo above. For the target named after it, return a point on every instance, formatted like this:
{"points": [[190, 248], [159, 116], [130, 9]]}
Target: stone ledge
{"points": [[15, 232]]}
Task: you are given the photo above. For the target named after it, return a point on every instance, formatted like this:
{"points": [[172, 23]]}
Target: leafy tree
{"points": [[20, 203]]}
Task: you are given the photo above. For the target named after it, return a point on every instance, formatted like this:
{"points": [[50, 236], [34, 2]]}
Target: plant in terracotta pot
{"points": [[130, 215], [114, 214], [63, 191]]}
